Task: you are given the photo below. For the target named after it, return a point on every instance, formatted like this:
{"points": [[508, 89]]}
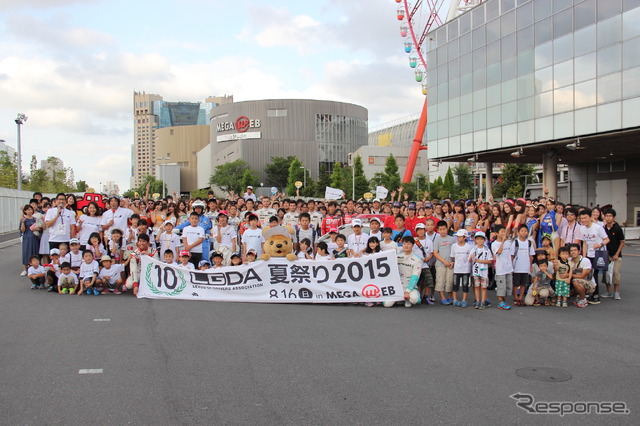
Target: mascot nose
{"points": [[279, 245]]}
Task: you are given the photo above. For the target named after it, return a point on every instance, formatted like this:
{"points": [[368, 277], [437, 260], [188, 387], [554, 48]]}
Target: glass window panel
{"points": [[432, 76], [477, 16], [480, 58], [609, 59], [441, 36], [454, 126], [494, 95], [509, 90], [443, 147], [466, 103], [526, 109], [454, 68], [494, 74], [466, 64], [443, 72], [509, 68], [526, 86], [509, 112], [480, 138], [563, 74], [508, 46], [466, 84], [563, 125], [631, 24], [480, 99], [508, 23], [494, 138], [432, 131], [585, 121], [510, 135], [452, 30], [479, 37], [544, 104], [493, 10], [561, 4], [525, 38], [443, 128], [443, 110], [465, 23], [442, 55], [524, 16], [432, 57], [465, 43], [452, 49], [563, 23], [585, 67], [608, 8], [507, 5], [630, 4], [544, 31], [630, 116], [610, 88], [544, 55], [454, 88], [526, 133], [454, 145], [526, 62], [466, 140], [454, 107], [631, 82], [433, 97], [480, 120], [585, 14], [480, 79], [563, 48], [585, 41], [544, 129], [585, 94], [542, 9], [609, 116], [432, 111], [466, 123], [609, 31], [493, 30], [493, 52]]}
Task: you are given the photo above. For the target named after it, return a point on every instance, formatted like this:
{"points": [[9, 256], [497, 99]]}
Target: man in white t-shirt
{"points": [[593, 237], [59, 220], [265, 212], [357, 241], [115, 217]]}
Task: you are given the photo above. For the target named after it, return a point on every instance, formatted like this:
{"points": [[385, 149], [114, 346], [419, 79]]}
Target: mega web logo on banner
{"points": [[373, 278]]}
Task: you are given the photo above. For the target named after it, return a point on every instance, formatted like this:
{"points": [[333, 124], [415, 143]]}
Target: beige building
{"points": [[181, 144]]}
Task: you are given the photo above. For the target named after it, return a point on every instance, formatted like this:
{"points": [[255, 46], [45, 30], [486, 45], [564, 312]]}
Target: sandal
{"points": [[547, 303]]}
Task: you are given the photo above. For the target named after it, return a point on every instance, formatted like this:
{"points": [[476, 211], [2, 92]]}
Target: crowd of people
{"points": [[532, 252]]}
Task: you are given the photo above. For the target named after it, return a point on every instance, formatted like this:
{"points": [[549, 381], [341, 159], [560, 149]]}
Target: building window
{"points": [[612, 166], [276, 112]]}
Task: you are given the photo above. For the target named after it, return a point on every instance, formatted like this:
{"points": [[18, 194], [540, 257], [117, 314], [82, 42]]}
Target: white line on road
{"points": [[102, 319], [90, 371]]}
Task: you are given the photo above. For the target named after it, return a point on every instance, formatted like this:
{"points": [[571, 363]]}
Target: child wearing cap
{"points": [[481, 258], [204, 264], [502, 249], [185, 260], [423, 248], [110, 277], [75, 255], [460, 253], [251, 256], [357, 241], [53, 270], [217, 258], [236, 260], [88, 275], [167, 240], [374, 228], [67, 280]]}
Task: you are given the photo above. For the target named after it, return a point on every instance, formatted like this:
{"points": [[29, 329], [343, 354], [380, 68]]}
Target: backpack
{"points": [[313, 235], [518, 246]]}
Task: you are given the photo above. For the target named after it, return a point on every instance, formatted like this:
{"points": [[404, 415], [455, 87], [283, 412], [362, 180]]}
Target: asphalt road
{"points": [[187, 362]]}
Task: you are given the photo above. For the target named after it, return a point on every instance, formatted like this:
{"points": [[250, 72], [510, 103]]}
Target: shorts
{"points": [[521, 279], [37, 281], [66, 283], [588, 286], [617, 264], [444, 279], [504, 285], [461, 280], [480, 281], [426, 279], [562, 288]]}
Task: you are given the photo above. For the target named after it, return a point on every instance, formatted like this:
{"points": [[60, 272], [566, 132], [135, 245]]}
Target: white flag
{"points": [[333, 193], [381, 192]]}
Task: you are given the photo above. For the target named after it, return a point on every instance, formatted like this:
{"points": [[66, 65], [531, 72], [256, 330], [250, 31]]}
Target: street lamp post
{"points": [[162, 172], [20, 120]]}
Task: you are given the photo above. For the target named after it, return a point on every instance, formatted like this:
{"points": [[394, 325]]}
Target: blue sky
{"points": [[72, 66]]}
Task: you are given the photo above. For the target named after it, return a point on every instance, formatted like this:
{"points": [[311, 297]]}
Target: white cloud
{"points": [[38, 4]]}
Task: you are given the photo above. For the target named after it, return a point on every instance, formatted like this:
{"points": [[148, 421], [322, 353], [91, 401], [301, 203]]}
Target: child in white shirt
{"points": [[481, 258]]}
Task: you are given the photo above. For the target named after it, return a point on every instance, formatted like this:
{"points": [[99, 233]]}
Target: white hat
{"points": [[74, 241], [356, 222], [376, 199], [54, 251], [374, 218], [462, 233], [480, 234], [249, 187], [421, 226], [198, 203]]}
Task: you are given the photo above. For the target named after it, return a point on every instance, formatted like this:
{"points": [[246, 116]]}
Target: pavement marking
{"points": [[90, 371], [102, 319], [634, 255]]}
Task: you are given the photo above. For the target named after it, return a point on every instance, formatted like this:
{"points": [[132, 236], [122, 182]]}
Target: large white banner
{"points": [[373, 278]]}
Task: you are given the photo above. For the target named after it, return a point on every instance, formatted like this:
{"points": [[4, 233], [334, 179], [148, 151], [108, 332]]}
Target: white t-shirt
{"points": [[320, 257], [357, 243], [480, 269], [264, 215], [460, 256], [90, 224], [390, 246], [253, 239], [169, 242], [113, 273], [424, 250], [120, 216], [67, 278], [36, 271], [521, 252], [300, 234], [228, 235], [583, 264], [592, 235], [193, 234], [88, 269], [75, 259], [189, 265], [60, 230], [378, 235], [504, 264]]}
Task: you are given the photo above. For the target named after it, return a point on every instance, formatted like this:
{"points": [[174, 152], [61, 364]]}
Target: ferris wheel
{"points": [[417, 20]]}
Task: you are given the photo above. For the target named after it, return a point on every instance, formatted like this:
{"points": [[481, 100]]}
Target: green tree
{"points": [[8, 171], [512, 180], [449, 186], [249, 177], [155, 187], [391, 175], [324, 180], [337, 177], [228, 177], [361, 183], [296, 173], [81, 186], [278, 171], [464, 181]]}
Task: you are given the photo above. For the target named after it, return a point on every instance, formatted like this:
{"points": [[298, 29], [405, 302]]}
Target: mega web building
{"points": [[543, 81]]}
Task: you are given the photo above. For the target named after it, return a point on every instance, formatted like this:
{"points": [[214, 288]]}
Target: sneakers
{"points": [[72, 291], [96, 292], [23, 273], [41, 287], [503, 305], [33, 286], [446, 302], [407, 304], [481, 306], [559, 303], [487, 302], [117, 292], [430, 301], [595, 300], [463, 304], [369, 304], [65, 291], [565, 305], [607, 295], [456, 303], [476, 305], [105, 291], [582, 303], [616, 296], [50, 289]]}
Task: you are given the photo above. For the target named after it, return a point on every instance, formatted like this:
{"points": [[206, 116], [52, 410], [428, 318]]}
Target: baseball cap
{"points": [[335, 230], [428, 205], [374, 219], [376, 199], [223, 212], [252, 251], [421, 226], [216, 254], [249, 187], [412, 206], [204, 262], [168, 222], [462, 233], [74, 241], [356, 222], [541, 251], [54, 251], [480, 234], [395, 204], [105, 258], [185, 253], [545, 235]]}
